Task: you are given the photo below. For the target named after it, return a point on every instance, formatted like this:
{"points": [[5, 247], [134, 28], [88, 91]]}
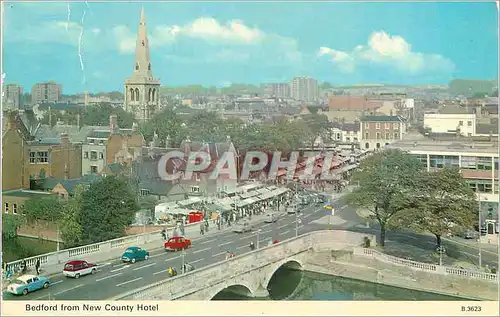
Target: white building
{"points": [[478, 163], [94, 152], [304, 89], [277, 90], [460, 123], [12, 97], [345, 132]]}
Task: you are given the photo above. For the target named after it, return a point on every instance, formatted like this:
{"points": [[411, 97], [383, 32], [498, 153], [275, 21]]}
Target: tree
{"points": [[48, 209], [317, 125], [10, 224], [108, 207], [206, 126], [387, 181], [71, 229], [443, 203], [166, 124]]}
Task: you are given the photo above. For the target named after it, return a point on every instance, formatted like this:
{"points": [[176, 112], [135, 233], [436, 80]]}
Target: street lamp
{"points": [[183, 254], [480, 253], [298, 221], [441, 250]]}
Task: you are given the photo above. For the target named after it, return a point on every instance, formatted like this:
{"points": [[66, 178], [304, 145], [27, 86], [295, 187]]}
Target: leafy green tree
{"points": [[48, 209], [166, 124], [108, 207], [71, 230], [387, 181], [98, 115], [10, 224], [442, 203], [206, 126], [317, 125]]}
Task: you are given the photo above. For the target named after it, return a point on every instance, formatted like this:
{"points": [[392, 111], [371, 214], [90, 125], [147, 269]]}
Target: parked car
{"points": [[177, 243], [270, 218], [133, 254], [79, 268], [470, 234], [243, 227], [292, 209], [25, 284]]}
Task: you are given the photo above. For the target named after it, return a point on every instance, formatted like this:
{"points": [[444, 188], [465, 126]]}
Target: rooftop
{"points": [[25, 193], [382, 118], [430, 146]]}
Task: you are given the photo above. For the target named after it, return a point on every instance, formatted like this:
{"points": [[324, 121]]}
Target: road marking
{"points": [[195, 261], [69, 289], [202, 250], [122, 264], [141, 267], [285, 232], [243, 246], [267, 224], [221, 253], [267, 231], [172, 258], [152, 256], [283, 226], [56, 282], [104, 264], [131, 281], [343, 207], [243, 238], [309, 215], [220, 245], [212, 240], [159, 272], [116, 270], [109, 276]]}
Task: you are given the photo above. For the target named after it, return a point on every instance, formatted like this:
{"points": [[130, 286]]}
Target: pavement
{"points": [[115, 277]]}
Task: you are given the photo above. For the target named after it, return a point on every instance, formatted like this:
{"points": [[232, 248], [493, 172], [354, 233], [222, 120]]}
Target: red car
{"points": [[79, 268], [177, 243]]}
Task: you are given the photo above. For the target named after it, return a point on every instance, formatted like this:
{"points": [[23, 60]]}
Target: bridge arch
{"points": [[239, 289], [288, 283]]}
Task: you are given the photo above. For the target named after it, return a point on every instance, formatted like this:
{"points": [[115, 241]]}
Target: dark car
{"points": [[133, 254]]}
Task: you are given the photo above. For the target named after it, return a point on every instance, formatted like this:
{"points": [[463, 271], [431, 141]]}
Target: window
{"points": [[14, 208], [93, 155], [101, 155], [396, 135], [348, 139], [469, 162], [469, 123], [387, 136], [355, 139], [136, 66], [32, 157], [101, 142], [367, 135], [144, 192], [195, 189], [42, 157], [484, 163], [142, 43], [422, 158], [469, 134], [460, 123], [91, 141], [387, 126], [367, 125], [86, 155], [93, 169], [378, 135], [149, 66], [496, 163], [377, 125], [496, 187], [6, 208], [481, 185], [197, 176], [395, 126]]}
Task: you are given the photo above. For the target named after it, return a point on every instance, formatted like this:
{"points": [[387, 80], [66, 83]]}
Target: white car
{"points": [[270, 218], [243, 227], [292, 209]]}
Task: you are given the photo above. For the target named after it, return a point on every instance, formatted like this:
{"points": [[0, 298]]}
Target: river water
{"points": [[297, 285]]}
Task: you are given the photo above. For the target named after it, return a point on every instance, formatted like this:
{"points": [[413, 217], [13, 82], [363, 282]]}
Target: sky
{"points": [[217, 44]]}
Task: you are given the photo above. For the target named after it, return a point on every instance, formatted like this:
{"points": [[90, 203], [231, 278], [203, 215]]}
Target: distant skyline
{"points": [[216, 44]]}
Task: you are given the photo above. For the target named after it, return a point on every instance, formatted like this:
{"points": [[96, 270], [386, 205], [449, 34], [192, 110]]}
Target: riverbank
{"points": [[346, 264]]}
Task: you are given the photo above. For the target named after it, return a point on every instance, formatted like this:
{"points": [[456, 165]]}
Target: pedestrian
{"points": [[37, 267], [24, 268], [202, 229], [206, 225]]}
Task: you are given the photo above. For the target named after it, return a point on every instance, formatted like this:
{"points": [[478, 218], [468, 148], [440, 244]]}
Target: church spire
{"points": [[142, 66]]}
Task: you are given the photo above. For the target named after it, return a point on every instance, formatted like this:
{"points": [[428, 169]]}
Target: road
{"points": [[114, 277]]}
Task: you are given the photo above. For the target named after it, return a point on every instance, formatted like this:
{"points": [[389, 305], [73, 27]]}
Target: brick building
{"points": [[378, 131]]}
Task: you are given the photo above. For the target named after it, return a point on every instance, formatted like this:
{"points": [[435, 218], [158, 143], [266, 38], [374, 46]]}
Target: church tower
{"points": [[142, 89]]}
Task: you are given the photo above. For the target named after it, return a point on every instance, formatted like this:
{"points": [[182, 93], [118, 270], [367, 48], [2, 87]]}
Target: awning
{"points": [[164, 207], [189, 201], [247, 202], [249, 194]]}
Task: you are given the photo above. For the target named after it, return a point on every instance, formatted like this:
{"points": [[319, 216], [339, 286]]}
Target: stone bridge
{"points": [[248, 274]]}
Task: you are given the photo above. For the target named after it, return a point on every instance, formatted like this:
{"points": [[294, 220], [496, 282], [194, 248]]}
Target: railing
{"points": [[426, 266], [109, 247]]}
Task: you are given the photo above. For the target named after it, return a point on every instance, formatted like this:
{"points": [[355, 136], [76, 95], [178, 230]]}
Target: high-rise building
{"points": [[304, 89], [142, 90], [12, 97], [277, 90], [48, 92]]}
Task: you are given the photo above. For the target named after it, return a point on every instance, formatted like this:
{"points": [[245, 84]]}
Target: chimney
{"points": [[64, 139], [86, 97], [113, 123]]}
